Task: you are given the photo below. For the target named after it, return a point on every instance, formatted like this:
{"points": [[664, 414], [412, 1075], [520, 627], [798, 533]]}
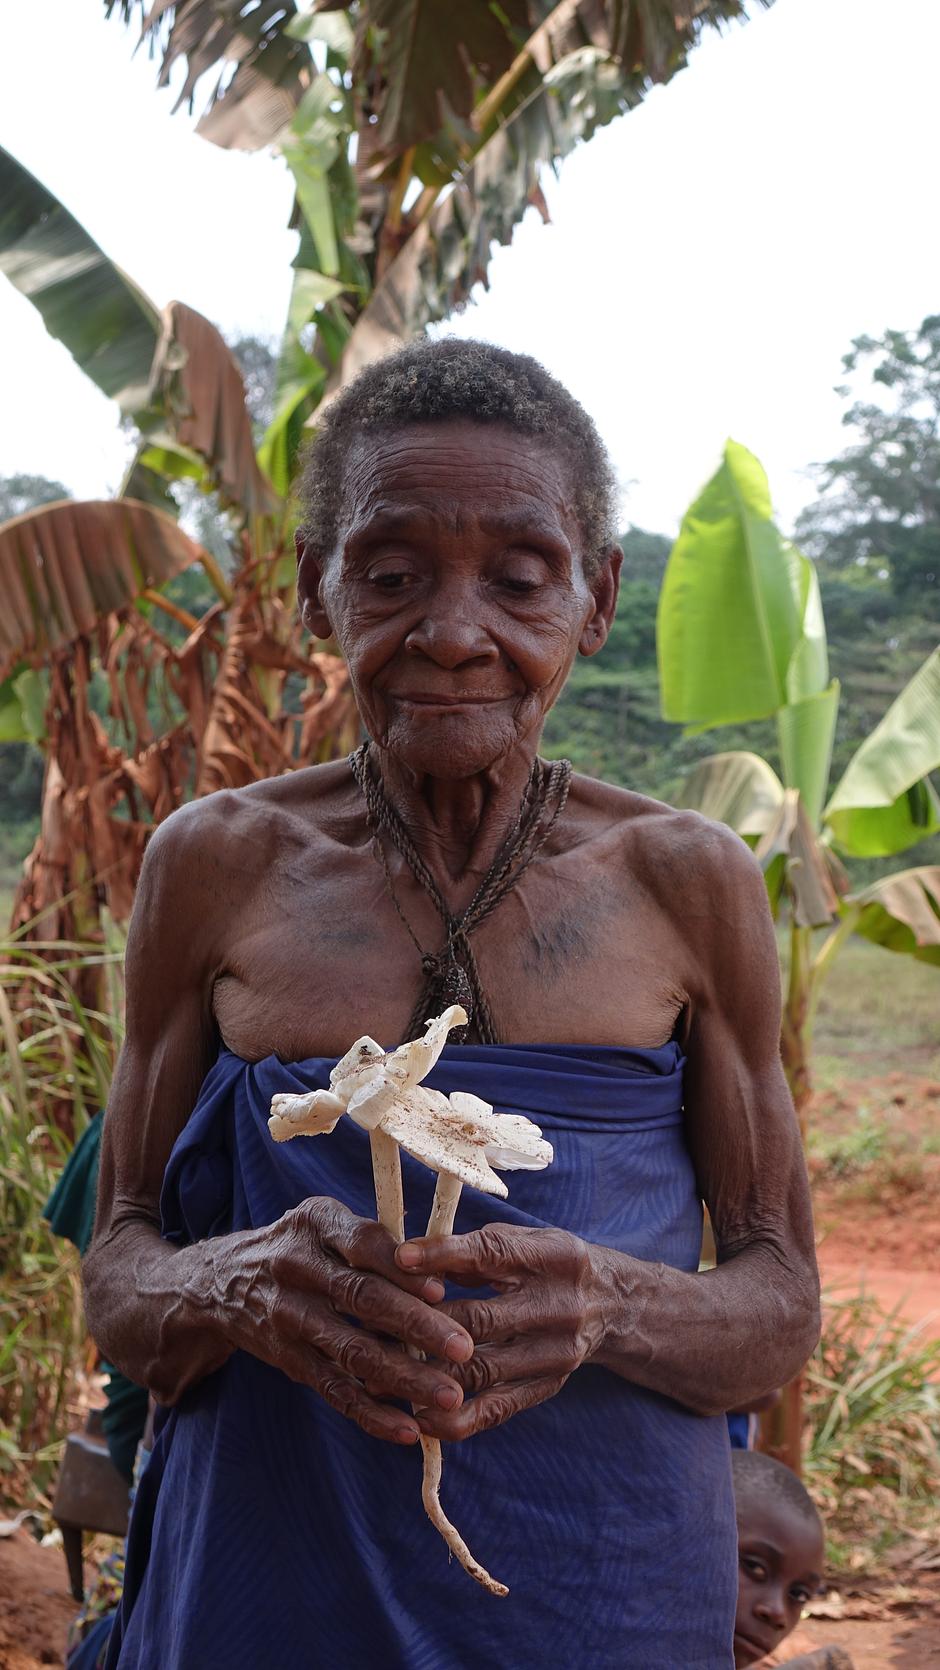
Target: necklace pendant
{"points": [[453, 987]]}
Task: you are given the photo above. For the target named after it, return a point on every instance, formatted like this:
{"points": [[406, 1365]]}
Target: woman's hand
{"points": [[286, 1293], [546, 1320]]}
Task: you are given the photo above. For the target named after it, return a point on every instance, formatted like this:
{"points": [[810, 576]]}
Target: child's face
{"points": [[780, 1556]]}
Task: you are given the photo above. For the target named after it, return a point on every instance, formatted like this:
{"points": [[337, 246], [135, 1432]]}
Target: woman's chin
{"points": [[450, 746]]}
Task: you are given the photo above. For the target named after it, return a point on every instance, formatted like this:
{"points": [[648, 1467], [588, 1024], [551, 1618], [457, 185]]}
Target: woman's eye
{"points": [[390, 579], [519, 584]]}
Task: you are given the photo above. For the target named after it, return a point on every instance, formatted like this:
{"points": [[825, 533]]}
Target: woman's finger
{"points": [[494, 1321], [343, 1392], [365, 1245], [538, 1356], [490, 1409], [385, 1370], [496, 1252], [387, 1310], [303, 1362]]}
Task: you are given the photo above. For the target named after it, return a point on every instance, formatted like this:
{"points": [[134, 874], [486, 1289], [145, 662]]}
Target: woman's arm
{"points": [[169, 1316]]}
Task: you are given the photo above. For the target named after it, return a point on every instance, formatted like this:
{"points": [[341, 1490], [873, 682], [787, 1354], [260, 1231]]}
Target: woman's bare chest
{"points": [[567, 957]]}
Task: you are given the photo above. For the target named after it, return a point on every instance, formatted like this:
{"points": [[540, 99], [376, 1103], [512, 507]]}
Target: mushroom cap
{"points": [[354, 1067], [510, 1141], [375, 1082], [460, 1135], [424, 1123], [313, 1115]]}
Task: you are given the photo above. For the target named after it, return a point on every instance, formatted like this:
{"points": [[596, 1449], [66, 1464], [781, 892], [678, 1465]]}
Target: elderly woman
{"points": [[618, 964]]}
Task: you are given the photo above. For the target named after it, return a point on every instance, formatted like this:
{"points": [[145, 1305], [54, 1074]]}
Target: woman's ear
{"points": [[605, 589], [309, 590]]}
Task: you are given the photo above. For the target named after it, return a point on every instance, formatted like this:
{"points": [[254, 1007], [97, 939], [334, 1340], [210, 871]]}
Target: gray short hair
{"points": [[432, 382]]}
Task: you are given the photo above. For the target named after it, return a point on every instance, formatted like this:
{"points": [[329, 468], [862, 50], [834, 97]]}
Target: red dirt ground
{"points": [[880, 1229], [35, 1605]]}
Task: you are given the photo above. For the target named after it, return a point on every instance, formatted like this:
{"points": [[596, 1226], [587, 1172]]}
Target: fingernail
{"points": [[433, 1289], [408, 1257], [447, 1397], [406, 1435], [458, 1348]]}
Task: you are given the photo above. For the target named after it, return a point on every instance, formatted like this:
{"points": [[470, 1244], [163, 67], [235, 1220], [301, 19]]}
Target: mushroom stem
{"points": [[386, 1172], [444, 1208], [390, 1211], [441, 1222]]}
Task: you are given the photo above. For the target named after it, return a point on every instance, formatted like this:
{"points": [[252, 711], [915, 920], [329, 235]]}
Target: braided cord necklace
{"points": [[451, 974]]}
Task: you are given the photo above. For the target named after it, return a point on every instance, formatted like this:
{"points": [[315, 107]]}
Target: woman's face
{"points": [[457, 591]]}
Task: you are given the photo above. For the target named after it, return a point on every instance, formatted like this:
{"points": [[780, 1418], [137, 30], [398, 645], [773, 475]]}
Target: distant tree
{"points": [[19, 493], [879, 506], [257, 361], [644, 555]]}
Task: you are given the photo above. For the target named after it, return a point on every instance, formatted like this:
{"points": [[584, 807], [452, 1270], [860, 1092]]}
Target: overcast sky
{"points": [[710, 256]]}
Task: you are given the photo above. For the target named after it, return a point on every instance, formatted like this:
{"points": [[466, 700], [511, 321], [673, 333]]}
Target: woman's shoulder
{"points": [[254, 810], [672, 841]]}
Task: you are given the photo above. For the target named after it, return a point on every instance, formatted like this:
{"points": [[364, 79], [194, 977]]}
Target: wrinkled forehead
{"points": [[459, 471]]}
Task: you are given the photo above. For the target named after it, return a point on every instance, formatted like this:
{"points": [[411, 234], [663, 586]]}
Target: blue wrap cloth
{"points": [[270, 1533]]}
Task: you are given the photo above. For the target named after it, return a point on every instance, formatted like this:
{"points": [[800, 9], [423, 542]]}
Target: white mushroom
{"points": [[458, 1136]]}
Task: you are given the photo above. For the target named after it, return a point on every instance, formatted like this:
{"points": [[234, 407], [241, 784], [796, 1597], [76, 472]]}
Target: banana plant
{"points": [[416, 132], [415, 136], [741, 637], [136, 701]]}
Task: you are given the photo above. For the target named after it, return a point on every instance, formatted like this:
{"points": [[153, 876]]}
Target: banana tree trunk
{"points": [[781, 1428], [797, 1018]]}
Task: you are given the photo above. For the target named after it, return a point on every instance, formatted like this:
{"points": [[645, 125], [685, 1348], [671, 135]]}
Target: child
{"points": [[780, 1558]]}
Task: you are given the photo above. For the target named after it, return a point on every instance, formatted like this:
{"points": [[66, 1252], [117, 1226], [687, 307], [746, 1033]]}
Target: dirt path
{"points": [[914, 1293], [35, 1605], [886, 1626]]}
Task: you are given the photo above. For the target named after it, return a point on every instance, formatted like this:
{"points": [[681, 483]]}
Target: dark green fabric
{"points": [[124, 1419], [70, 1213], [70, 1209]]}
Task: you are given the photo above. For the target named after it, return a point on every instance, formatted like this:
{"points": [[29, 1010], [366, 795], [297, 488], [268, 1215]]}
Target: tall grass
{"points": [[56, 1061], [873, 1409]]}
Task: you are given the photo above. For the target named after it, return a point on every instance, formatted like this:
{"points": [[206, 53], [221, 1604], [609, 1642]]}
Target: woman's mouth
{"points": [[428, 698]]}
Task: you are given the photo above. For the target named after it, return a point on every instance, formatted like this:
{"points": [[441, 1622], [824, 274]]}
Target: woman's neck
{"points": [[458, 826]]}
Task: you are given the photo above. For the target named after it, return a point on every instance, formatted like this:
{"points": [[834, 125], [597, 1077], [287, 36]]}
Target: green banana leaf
{"points": [[108, 325], [902, 913], [805, 730], [885, 801], [300, 379], [23, 706], [739, 626]]}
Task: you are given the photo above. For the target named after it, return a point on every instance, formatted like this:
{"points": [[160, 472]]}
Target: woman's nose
{"points": [[451, 634]]}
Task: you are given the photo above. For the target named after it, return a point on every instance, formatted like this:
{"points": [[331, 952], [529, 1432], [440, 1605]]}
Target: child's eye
{"points": [[801, 1593], [755, 1568]]}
